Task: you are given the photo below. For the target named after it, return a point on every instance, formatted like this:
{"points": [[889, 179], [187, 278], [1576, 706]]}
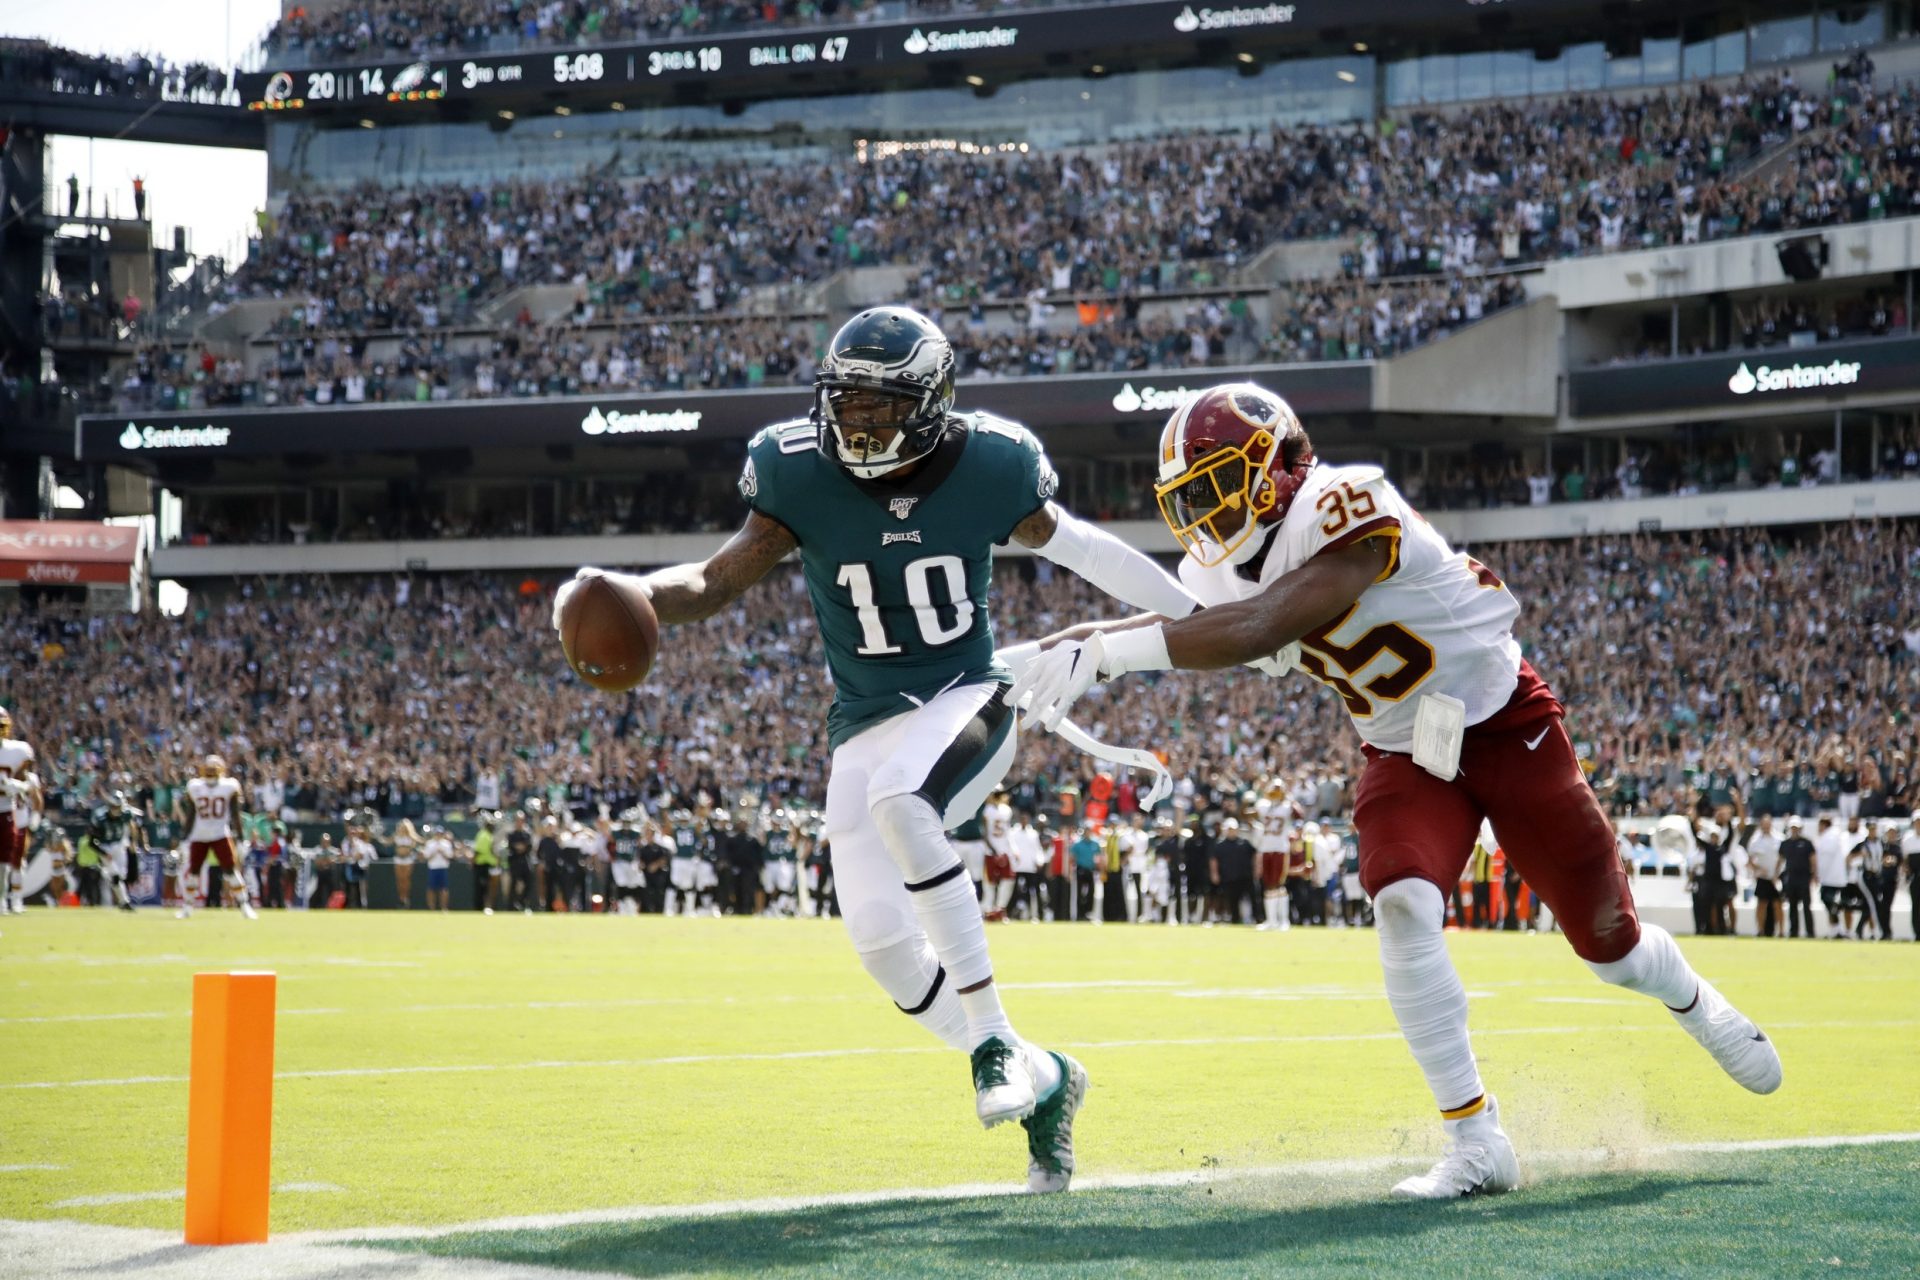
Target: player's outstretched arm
{"points": [[1247, 630], [695, 592], [1118, 569], [1225, 636]]}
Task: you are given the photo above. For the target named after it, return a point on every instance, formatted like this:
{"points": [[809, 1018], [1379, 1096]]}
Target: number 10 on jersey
{"points": [[920, 575]]}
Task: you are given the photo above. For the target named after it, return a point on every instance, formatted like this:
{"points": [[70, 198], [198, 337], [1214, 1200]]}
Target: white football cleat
{"points": [[1742, 1049], [1050, 1130], [183, 913], [1479, 1160], [1002, 1082], [246, 909]]}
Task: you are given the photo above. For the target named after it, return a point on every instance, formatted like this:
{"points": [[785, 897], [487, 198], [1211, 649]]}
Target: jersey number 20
{"points": [[858, 580]]}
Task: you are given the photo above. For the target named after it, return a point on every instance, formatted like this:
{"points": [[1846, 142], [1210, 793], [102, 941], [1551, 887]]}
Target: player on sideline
{"points": [[212, 803], [895, 503], [1327, 568], [16, 764]]}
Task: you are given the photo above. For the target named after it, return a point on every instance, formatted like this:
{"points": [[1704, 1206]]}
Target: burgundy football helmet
{"points": [[1231, 460]]}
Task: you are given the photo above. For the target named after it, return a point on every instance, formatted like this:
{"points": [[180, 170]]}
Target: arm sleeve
{"points": [[1116, 568]]}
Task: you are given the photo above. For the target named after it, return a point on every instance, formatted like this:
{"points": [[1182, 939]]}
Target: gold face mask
{"points": [[1214, 506]]}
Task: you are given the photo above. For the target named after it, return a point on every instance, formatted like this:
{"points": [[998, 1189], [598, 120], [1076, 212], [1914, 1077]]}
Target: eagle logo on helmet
{"points": [[884, 391], [1231, 460]]}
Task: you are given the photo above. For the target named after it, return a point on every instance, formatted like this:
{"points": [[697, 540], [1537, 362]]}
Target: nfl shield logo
{"points": [[901, 507]]}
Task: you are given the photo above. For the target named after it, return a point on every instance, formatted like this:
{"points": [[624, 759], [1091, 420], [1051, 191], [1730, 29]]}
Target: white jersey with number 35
{"points": [[213, 801], [1436, 621]]}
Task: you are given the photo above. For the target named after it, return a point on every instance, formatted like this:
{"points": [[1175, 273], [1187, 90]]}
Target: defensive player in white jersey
{"points": [[1326, 568], [16, 766], [996, 826], [212, 805]]}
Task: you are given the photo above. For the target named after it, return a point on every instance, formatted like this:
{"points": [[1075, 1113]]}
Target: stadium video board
{"points": [[774, 60], [1748, 381], [1046, 404]]}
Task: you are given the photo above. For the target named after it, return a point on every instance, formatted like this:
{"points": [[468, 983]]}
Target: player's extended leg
{"points": [[1554, 831], [228, 860], [895, 785], [1416, 833]]}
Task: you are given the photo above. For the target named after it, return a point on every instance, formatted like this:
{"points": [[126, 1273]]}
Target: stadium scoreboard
{"points": [[775, 60]]}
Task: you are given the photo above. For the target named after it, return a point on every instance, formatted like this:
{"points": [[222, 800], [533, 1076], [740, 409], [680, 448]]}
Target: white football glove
{"points": [[572, 584], [1056, 679], [1288, 659]]}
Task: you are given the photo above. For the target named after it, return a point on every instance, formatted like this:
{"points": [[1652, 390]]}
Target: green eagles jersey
{"points": [[626, 844], [898, 573], [686, 843], [109, 827], [779, 847]]}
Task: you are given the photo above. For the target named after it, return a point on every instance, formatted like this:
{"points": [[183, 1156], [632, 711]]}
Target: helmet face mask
{"points": [[1213, 507], [1231, 459], [884, 391]]}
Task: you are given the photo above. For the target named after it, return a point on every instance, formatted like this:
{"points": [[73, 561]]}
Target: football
{"points": [[609, 632]]}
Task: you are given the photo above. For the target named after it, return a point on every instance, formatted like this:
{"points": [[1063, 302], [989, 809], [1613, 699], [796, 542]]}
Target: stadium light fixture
{"points": [[1359, 46], [1346, 76], [616, 106], [975, 81], [505, 115], [366, 124], [1245, 57], [563, 111]]}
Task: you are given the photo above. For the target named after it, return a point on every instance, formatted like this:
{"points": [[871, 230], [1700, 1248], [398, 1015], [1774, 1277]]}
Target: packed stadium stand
{"points": [[1624, 303]]}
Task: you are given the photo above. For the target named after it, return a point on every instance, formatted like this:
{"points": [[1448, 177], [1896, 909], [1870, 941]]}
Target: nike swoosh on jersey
{"points": [[1540, 737]]}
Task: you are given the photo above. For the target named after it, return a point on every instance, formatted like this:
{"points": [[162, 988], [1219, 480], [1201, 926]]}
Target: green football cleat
{"points": [[1002, 1082], [1050, 1129]]}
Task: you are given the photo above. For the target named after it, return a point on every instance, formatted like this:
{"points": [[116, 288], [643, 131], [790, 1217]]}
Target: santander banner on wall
{"points": [[66, 552]]}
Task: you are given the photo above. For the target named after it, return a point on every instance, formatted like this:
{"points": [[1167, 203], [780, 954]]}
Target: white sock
{"points": [[1425, 992], [1046, 1070], [985, 1018], [1655, 967], [237, 890]]}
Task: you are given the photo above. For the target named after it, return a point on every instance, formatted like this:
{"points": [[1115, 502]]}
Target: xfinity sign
{"points": [[1795, 377], [135, 437], [643, 421], [1189, 19], [1151, 399]]}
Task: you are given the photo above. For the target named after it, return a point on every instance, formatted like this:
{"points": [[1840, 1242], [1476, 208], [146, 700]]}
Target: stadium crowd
{"points": [[1500, 184], [1773, 669]]}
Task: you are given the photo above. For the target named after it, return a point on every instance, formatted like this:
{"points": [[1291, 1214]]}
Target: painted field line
{"points": [[1112, 1182], [29, 1168], [802, 1055], [177, 1193]]}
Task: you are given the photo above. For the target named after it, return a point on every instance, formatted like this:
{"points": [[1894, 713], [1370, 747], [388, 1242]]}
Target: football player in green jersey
{"points": [[895, 503]]}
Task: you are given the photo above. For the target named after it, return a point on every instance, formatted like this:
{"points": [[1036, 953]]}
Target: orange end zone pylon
{"points": [[230, 1108]]}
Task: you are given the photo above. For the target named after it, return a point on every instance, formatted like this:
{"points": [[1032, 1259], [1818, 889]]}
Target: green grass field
{"points": [[436, 1071]]}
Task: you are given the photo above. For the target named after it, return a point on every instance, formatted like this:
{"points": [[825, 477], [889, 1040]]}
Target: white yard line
{"points": [[801, 1055]]}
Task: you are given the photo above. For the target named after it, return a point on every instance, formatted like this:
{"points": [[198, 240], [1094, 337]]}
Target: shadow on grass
{"points": [[1236, 1228]]}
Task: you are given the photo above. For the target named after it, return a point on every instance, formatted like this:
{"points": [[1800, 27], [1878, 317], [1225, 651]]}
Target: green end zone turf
{"points": [[1839, 1211]]}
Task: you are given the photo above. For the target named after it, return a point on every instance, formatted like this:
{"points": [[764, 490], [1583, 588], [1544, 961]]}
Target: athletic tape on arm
{"points": [[1018, 656], [1116, 568]]}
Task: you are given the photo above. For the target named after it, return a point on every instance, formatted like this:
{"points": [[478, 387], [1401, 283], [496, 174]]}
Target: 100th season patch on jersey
{"points": [[898, 572]]}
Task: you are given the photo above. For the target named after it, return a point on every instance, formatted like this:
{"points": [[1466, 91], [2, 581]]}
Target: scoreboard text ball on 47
{"points": [[610, 633]]}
